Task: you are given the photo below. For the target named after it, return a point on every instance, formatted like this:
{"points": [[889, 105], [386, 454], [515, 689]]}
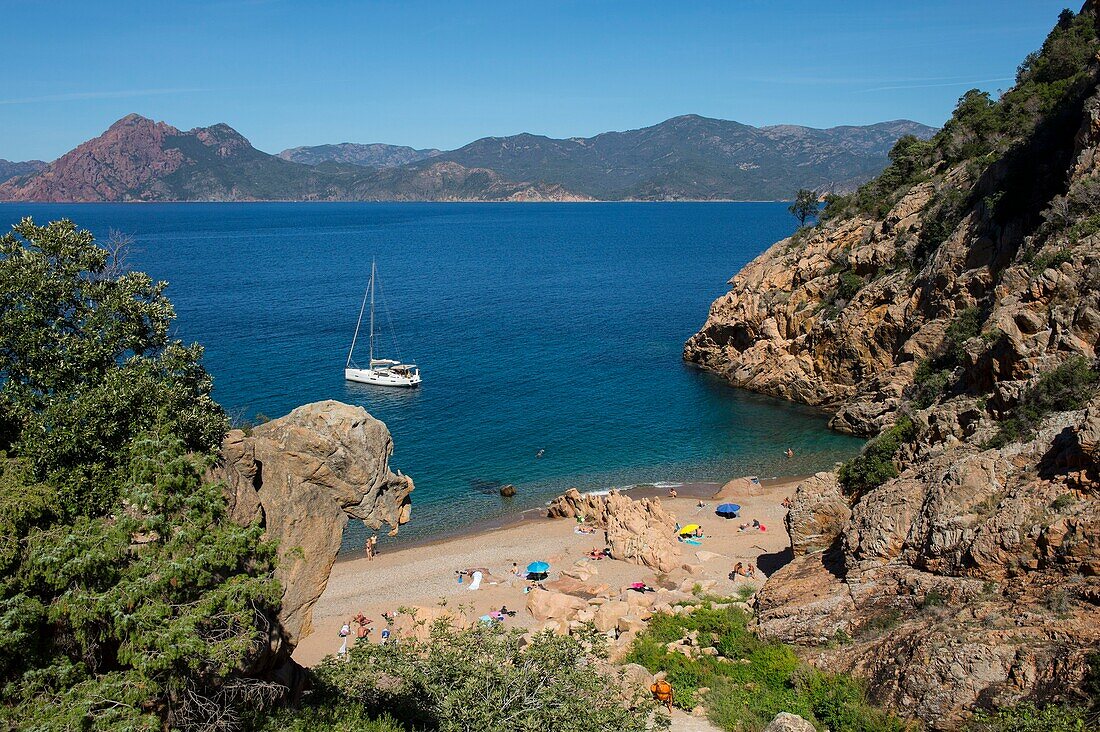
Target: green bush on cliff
{"points": [[1069, 386], [875, 464], [1030, 718], [752, 680], [127, 600], [485, 678]]}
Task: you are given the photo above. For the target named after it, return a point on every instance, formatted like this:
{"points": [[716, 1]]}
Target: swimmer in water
{"points": [[540, 453]]}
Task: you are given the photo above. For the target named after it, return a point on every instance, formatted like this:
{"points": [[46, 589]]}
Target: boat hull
{"points": [[382, 377]]}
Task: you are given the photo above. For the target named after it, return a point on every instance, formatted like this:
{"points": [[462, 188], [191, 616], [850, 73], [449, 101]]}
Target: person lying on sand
{"points": [[595, 554], [584, 530], [505, 611], [739, 570]]}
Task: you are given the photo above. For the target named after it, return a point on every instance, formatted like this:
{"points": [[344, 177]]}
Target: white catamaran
{"points": [[380, 371]]}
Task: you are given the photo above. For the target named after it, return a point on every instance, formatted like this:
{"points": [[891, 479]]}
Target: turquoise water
{"points": [[536, 326]]}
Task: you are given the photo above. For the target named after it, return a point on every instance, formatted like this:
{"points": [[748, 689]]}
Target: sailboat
{"points": [[380, 371]]}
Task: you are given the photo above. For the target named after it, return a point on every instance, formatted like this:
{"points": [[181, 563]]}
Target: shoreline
{"points": [[422, 574], [702, 490]]}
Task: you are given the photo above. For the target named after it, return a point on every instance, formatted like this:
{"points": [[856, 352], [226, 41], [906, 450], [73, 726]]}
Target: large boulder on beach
{"points": [[550, 605], [818, 515], [302, 477], [641, 532]]}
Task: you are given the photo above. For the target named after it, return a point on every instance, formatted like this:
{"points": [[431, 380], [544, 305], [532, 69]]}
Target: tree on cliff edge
{"points": [[127, 599], [804, 206]]}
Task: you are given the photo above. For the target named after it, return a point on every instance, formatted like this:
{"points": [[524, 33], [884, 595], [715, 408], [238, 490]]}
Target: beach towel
{"points": [[477, 581], [693, 542]]}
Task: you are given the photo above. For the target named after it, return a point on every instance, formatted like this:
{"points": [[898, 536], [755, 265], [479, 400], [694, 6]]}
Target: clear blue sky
{"points": [[440, 74]]}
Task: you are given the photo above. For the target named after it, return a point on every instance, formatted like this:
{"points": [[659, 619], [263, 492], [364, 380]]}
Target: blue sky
{"points": [[440, 74]]}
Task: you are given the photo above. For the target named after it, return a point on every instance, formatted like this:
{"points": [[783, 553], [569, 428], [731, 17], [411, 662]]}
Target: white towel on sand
{"points": [[477, 581]]}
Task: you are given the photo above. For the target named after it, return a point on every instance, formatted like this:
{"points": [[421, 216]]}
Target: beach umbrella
{"points": [[689, 528], [538, 568], [728, 510]]}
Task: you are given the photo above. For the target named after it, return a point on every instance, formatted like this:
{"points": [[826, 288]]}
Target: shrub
{"points": [[940, 219], [875, 464], [1030, 718], [848, 284], [1069, 386], [485, 678], [1049, 260], [929, 384], [758, 680], [325, 715]]}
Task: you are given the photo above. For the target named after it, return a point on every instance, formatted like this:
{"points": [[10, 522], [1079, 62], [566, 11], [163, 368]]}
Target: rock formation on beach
{"points": [[641, 532], [952, 305], [303, 476]]}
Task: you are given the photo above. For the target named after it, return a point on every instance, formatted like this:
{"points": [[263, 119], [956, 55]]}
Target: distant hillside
{"points": [[693, 157], [373, 155], [689, 157], [138, 159], [11, 169]]}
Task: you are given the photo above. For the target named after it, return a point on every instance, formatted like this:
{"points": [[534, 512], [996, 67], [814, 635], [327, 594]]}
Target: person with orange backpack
{"points": [[662, 692]]}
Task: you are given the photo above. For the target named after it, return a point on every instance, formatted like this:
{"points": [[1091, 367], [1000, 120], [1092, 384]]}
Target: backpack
{"points": [[662, 690]]}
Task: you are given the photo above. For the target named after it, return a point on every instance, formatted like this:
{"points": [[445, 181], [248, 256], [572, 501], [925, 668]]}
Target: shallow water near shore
{"points": [[536, 326]]}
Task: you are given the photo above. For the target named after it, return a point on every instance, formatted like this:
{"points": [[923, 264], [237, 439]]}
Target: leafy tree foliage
{"points": [[805, 205], [486, 679], [86, 364], [127, 599]]}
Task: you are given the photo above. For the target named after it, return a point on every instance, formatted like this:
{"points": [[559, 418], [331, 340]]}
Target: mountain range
{"points": [[684, 158]]}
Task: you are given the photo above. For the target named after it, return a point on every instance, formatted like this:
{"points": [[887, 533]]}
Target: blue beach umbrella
{"points": [[538, 568], [728, 510]]}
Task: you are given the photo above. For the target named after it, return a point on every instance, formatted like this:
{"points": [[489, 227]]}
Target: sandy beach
{"points": [[424, 574]]}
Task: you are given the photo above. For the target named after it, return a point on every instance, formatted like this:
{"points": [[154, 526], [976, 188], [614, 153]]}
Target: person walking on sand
{"points": [[373, 546]]}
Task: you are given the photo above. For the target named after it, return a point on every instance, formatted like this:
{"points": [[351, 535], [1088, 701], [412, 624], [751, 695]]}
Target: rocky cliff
{"points": [[951, 306], [303, 476]]}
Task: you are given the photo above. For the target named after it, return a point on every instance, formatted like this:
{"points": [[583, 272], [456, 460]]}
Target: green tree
{"points": [[805, 205], [86, 364], [128, 600]]}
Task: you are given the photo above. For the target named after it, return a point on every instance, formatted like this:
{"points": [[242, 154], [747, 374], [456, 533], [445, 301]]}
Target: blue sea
{"points": [[555, 327]]}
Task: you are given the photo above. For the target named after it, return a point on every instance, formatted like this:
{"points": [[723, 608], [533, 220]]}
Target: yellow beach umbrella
{"points": [[689, 528]]}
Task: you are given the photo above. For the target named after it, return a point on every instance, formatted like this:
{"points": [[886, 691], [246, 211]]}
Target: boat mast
{"points": [[358, 323], [371, 364]]}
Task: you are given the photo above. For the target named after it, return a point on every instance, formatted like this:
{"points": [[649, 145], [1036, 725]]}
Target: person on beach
{"points": [[368, 548], [738, 570], [787, 502], [515, 570], [750, 572], [345, 630], [672, 492], [385, 636], [373, 546]]}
